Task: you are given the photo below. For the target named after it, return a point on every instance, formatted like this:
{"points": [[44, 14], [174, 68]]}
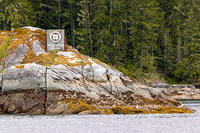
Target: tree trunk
{"points": [[179, 52], [89, 28], [165, 41], [59, 14], [72, 27]]}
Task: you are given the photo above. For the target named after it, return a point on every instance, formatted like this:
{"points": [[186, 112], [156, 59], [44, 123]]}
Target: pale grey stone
{"points": [[115, 82], [58, 67], [117, 85], [17, 56], [33, 28], [191, 86], [126, 81], [94, 80], [1, 78], [63, 79], [95, 72], [68, 54], [30, 76], [88, 73], [160, 85], [37, 49], [99, 72], [70, 79], [58, 108], [78, 69], [178, 86], [67, 73], [144, 92]]}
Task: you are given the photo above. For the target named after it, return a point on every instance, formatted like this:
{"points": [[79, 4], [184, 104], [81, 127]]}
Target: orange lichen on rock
{"points": [[106, 111], [127, 110], [75, 61], [19, 66], [82, 106], [170, 110], [42, 59], [51, 58], [76, 106], [19, 37], [79, 103], [160, 109], [26, 36]]}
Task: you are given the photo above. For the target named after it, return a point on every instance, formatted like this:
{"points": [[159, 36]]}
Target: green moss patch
{"points": [[3, 47]]}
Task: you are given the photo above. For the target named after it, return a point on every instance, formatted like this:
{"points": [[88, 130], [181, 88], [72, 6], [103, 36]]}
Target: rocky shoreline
{"points": [[38, 102], [189, 92], [33, 81]]}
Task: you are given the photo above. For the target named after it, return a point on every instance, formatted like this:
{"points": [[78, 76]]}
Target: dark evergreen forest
{"points": [[135, 36]]}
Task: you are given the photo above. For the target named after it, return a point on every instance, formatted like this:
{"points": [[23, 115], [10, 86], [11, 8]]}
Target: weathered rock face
{"points": [[39, 82], [23, 102], [37, 49], [26, 76], [182, 93], [17, 56], [1, 81], [100, 73], [164, 85], [30, 76], [61, 90], [160, 85], [94, 81], [179, 91], [60, 77]]}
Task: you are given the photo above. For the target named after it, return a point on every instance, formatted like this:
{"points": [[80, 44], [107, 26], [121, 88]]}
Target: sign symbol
{"points": [[55, 36]]}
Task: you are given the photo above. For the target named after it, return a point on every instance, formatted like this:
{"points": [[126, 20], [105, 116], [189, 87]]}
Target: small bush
{"points": [[3, 47]]}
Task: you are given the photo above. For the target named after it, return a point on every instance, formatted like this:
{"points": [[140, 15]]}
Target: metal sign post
{"points": [[55, 40]]}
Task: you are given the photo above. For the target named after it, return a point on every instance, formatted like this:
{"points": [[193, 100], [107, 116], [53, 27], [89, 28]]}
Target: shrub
{"points": [[3, 47]]}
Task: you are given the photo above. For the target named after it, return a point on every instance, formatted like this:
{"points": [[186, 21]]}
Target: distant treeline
{"points": [[136, 36]]}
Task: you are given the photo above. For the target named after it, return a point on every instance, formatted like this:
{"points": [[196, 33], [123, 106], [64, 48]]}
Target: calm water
{"points": [[155, 123]]}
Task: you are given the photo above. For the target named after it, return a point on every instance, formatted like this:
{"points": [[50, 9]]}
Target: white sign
{"points": [[55, 36], [55, 40]]}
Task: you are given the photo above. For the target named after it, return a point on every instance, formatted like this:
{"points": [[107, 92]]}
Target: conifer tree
{"points": [[16, 13], [135, 36]]}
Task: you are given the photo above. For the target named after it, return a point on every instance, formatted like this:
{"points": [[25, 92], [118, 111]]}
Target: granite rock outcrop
{"points": [[34, 81]]}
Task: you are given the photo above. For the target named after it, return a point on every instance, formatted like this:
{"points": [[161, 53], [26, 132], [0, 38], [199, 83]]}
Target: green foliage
{"points": [[139, 37], [3, 47], [16, 13]]}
